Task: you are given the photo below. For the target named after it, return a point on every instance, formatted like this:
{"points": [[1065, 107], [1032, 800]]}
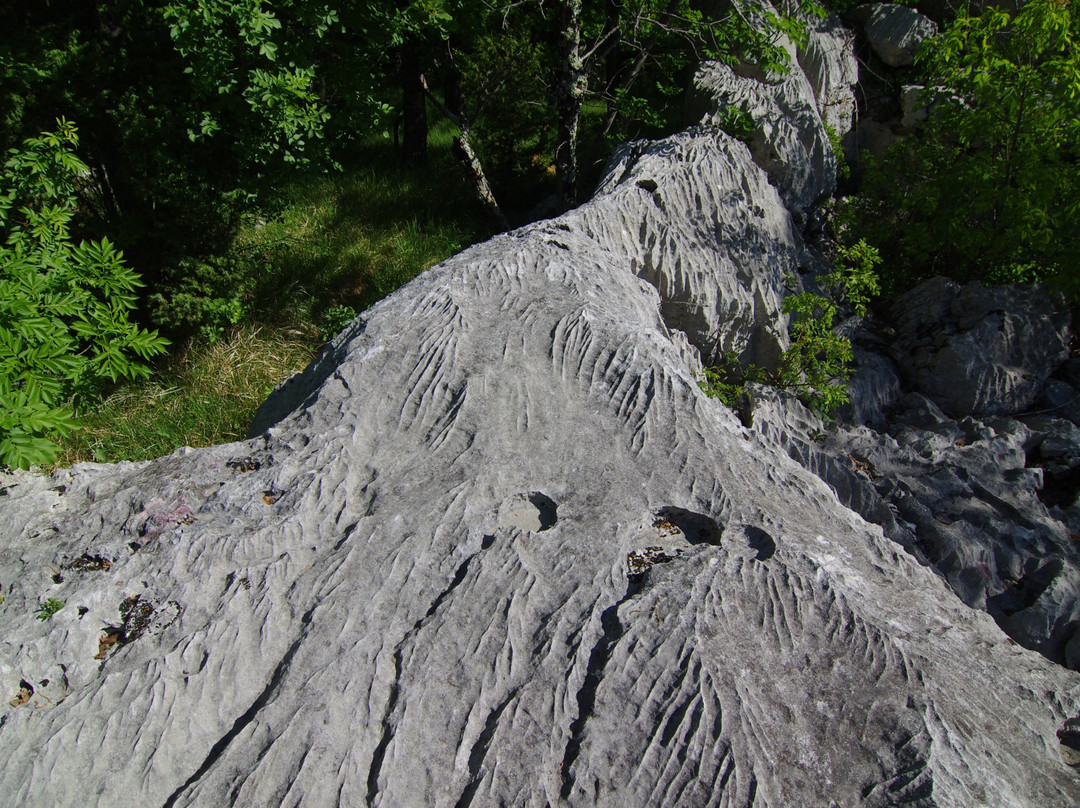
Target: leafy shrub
{"points": [[987, 188], [64, 326], [48, 608], [204, 297], [737, 122], [855, 276], [814, 367], [729, 380], [816, 364], [334, 320], [843, 169]]}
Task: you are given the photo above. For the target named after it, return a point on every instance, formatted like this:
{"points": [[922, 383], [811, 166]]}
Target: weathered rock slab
{"points": [[788, 140], [979, 350], [828, 62], [895, 33]]}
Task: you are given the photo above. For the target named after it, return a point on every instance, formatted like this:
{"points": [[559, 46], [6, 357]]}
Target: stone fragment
{"points": [[912, 105]]}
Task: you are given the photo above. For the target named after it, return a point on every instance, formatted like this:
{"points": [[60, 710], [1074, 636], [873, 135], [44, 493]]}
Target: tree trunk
{"points": [[571, 92], [627, 80], [413, 107], [463, 152]]}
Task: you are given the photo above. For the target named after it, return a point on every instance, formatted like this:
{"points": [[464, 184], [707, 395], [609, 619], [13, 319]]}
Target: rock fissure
{"points": [[243, 721], [611, 630], [479, 751]]}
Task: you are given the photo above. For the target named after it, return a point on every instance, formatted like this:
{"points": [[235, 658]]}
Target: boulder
{"points": [[895, 33], [913, 106], [874, 386], [709, 233], [979, 350]]}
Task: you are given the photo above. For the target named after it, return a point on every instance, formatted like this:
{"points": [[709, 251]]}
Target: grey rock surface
{"points": [[788, 139], [828, 62], [979, 350], [990, 505], [709, 233], [895, 33], [913, 105], [875, 385], [496, 547]]}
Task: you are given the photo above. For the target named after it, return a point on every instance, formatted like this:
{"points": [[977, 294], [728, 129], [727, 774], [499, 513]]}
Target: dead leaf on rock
{"points": [[106, 642], [26, 691]]}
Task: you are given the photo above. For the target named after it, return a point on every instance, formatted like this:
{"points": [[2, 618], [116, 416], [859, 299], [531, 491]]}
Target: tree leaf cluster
{"points": [[988, 188], [817, 363], [64, 307]]}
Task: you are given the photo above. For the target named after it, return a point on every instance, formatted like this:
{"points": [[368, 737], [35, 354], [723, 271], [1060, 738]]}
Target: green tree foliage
{"points": [[855, 277], [816, 364], [988, 189], [245, 77], [531, 70], [64, 308], [189, 109], [814, 367]]}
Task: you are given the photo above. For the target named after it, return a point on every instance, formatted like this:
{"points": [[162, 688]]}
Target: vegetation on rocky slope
{"points": [[276, 169]]}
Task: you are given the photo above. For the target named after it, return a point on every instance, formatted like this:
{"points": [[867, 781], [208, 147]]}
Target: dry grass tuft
{"points": [[206, 395]]}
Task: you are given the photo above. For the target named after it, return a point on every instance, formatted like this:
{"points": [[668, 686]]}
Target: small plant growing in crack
{"points": [[50, 607]]}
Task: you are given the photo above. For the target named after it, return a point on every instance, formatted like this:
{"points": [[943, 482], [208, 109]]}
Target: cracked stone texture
{"points": [[828, 61], [787, 139], [496, 547]]}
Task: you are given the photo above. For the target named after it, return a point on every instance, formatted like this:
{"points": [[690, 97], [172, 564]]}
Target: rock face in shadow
{"points": [[496, 547], [828, 62], [967, 497], [895, 32], [981, 350]]}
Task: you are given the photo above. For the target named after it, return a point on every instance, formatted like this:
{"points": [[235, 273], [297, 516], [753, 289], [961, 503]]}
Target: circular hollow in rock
{"points": [[533, 512], [696, 528]]}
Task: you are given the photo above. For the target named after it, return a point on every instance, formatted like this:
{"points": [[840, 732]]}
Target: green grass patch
{"points": [[340, 240], [244, 321], [205, 395]]}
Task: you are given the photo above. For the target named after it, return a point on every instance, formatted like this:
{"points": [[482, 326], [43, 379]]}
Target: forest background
{"points": [[197, 194]]}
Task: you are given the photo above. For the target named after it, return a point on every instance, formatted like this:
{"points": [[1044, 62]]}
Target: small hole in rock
{"points": [[697, 528], [533, 512], [761, 541]]}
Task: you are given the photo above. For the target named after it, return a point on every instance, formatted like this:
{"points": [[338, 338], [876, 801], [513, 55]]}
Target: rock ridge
{"points": [[496, 547]]}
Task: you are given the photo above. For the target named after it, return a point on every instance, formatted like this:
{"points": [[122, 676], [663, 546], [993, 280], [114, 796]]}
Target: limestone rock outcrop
{"points": [[981, 350], [496, 547], [788, 138], [895, 32], [828, 62]]}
